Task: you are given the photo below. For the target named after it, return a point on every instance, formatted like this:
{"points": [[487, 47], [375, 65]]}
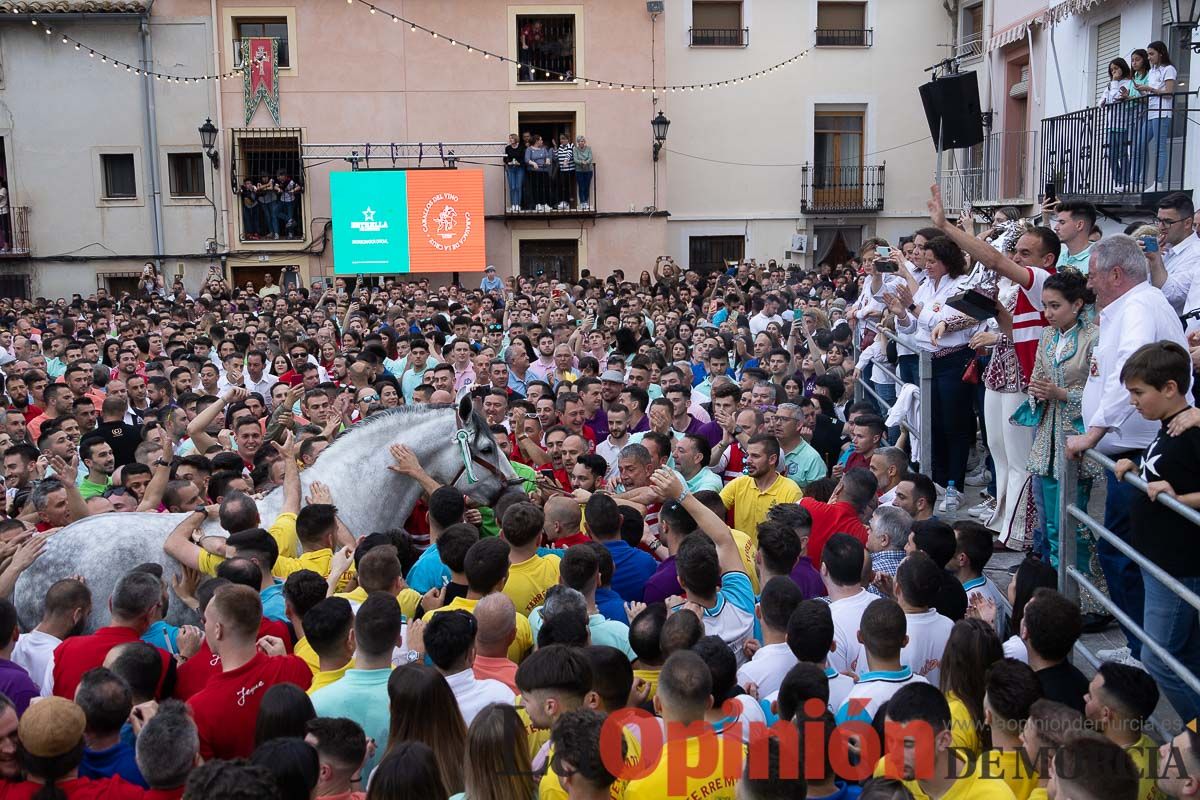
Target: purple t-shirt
{"points": [[16, 685], [663, 583], [599, 424], [805, 575]]}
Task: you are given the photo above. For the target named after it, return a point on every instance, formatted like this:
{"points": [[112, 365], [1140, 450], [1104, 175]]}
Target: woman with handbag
{"points": [[946, 332], [1054, 407]]}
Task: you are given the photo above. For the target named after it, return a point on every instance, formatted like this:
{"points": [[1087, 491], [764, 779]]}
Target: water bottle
{"points": [[952, 498]]}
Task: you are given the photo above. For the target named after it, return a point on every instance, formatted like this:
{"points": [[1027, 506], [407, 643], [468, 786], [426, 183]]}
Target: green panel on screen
{"points": [[370, 222]]}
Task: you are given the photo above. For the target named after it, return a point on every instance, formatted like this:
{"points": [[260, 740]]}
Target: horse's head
{"points": [[483, 472]]}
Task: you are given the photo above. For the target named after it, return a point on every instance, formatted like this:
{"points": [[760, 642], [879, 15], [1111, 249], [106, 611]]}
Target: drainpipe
{"points": [[218, 188], [151, 117]]}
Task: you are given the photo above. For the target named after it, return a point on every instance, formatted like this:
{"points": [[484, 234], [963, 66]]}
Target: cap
{"points": [[51, 727], [838, 302], [490, 268], [612, 376]]}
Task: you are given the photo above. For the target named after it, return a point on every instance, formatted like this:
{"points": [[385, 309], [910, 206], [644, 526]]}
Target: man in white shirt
{"points": [[257, 379], [841, 570], [1133, 313], [769, 314], [918, 581], [771, 662], [68, 606], [1174, 265], [449, 640], [618, 437]]}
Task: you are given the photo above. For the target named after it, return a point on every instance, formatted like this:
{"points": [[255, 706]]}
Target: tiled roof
{"points": [[73, 6]]}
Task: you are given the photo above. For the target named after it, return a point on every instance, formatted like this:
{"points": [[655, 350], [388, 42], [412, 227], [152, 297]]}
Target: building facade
{"points": [[103, 168], [804, 163]]}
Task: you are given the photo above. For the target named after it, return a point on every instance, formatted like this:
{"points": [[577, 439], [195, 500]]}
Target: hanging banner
{"points": [[260, 75], [398, 221]]}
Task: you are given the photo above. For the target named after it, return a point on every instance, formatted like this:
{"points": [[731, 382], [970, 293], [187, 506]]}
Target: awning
{"points": [[1008, 35], [74, 6], [1051, 16], [1058, 13]]}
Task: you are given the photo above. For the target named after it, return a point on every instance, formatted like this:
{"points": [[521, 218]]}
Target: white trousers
{"points": [[1009, 445]]}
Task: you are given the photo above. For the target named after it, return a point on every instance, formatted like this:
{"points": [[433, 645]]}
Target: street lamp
{"points": [[660, 124], [208, 140], [1184, 14]]}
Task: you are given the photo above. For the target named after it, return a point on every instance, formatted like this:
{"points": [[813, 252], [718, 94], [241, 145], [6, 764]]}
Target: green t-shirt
{"points": [[89, 490]]}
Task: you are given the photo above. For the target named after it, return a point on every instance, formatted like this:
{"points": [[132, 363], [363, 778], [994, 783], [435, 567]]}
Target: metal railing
{"points": [[1118, 152], [14, 232], [844, 37], [924, 436], [719, 37], [554, 193], [835, 188], [1071, 580], [1003, 175], [970, 48]]}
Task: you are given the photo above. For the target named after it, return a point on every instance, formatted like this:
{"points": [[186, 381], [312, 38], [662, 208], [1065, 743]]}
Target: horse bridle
{"points": [[462, 437]]}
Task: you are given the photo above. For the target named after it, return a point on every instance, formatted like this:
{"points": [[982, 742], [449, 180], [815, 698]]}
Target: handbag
{"points": [[971, 373], [1028, 415]]}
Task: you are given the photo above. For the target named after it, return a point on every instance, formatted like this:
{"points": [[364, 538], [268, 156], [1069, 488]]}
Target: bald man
{"points": [[563, 518], [573, 447], [441, 396], [495, 615]]}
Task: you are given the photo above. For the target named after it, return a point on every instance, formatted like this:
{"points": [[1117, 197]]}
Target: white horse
{"points": [[452, 444]]}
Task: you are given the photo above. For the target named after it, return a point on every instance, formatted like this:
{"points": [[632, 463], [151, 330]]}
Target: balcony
{"points": [[546, 196], [719, 37], [998, 172], [546, 47], [14, 233], [1115, 155], [844, 37], [836, 189]]}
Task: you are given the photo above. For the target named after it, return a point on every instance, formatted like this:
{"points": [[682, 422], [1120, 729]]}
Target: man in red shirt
{"points": [[866, 432], [134, 605], [848, 506], [227, 708]]}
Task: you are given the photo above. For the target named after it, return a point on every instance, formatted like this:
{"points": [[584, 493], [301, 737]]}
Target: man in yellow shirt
{"points": [[554, 680], [486, 568], [327, 627], [529, 574], [1090, 768], [1012, 689], [1118, 703], [752, 495], [379, 570], [936, 775], [645, 640], [684, 696]]}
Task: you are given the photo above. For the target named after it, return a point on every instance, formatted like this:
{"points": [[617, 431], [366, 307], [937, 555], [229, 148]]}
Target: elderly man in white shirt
{"points": [[449, 641], [1133, 313], [1173, 268]]}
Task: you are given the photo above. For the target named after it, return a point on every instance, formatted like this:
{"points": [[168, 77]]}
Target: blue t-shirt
{"points": [[610, 604], [632, 568], [116, 760], [428, 571], [162, 636], [272, 602]]}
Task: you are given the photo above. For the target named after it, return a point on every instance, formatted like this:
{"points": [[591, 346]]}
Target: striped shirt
{"points": [[565, 153], [1028, 321]]}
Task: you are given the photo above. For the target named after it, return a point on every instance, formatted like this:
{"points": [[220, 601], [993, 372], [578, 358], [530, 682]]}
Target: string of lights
{"points": [[133, 69], [533, 70], [588, 81]]}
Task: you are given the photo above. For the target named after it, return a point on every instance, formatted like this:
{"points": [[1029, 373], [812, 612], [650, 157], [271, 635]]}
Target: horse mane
{"points": [[381, 417]]}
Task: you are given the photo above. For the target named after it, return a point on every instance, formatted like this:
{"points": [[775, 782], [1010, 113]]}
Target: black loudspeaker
{"points": [[952, 103]]}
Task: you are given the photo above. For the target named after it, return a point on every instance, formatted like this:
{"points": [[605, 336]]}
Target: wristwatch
{"points": [[412, 656]]}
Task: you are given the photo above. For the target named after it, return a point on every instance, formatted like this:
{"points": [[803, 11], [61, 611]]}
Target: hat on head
{"points": [[838, 302], [51, 727], [612, 376], [490, 268]]}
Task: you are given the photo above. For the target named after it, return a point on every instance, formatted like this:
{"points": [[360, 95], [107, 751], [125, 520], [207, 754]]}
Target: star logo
{"points": [[368, 215]]}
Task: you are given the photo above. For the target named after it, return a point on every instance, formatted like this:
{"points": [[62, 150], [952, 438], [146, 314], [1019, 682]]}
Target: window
{"points": [[119, 179], [970, 43], [711, 253], [551, 259], [718, 23], [842, 25], [545, 47], [263, 160], [1108, 47], [186, 173], [275, 27]]}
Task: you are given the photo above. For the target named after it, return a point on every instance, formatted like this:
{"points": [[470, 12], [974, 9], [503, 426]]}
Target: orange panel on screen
{"points": [[445, 221]]}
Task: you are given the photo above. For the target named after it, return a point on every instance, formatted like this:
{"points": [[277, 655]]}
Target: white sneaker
{"points": [[981, 478], [1153, 187], [1114, 654], [1119, 188], [984, 510]]}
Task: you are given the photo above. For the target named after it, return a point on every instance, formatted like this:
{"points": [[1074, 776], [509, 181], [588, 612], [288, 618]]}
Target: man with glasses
{"points": [[793, 427], [1174, 263]]}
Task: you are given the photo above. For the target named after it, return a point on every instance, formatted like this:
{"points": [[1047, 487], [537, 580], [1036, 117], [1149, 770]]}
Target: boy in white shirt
{"points": [[780, 597], [918, 580], [810, 638], [841, 570], [883, 636]]}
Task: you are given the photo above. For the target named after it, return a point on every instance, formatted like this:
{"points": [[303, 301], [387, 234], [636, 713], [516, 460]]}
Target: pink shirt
{"points": [[500, 669]]}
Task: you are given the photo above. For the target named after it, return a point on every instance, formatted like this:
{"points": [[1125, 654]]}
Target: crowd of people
{"points": [[544, 176], [270, 207], [714, 537]]}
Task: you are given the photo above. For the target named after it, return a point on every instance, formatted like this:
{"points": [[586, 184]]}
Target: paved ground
{"points": [[1165, 718]]}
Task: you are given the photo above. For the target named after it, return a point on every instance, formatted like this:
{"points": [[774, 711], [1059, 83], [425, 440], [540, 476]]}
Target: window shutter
{"points": [[1108, 47]]}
